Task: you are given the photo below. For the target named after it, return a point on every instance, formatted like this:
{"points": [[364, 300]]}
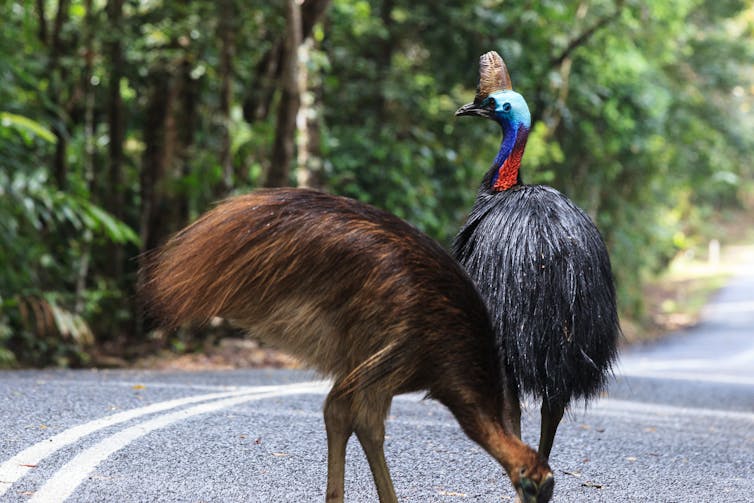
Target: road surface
{"points": [[677, 425]]}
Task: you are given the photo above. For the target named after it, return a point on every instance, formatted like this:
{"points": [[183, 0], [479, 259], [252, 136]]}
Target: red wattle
{"points": [[507, 175]]}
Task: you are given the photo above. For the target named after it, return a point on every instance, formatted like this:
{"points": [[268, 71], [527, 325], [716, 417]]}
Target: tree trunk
{"points": [[89, 98], [309, 159], [186, 125], [89, 153], [159, 140], [227, 35], [285, 129], [169, 131], [55, 45], [114, 201], [304, 176], [384, 58], [257, 102]]}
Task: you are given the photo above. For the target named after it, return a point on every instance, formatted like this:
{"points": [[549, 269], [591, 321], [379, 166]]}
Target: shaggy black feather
{"points": [[544, 271]]}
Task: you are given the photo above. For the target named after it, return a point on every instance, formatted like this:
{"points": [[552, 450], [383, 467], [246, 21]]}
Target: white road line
{"points": [[146, 383], [62, 484], [700, 375], [20, 464], [612, 406], [740, 357]]}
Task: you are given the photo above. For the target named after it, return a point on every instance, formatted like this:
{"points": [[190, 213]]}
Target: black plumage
{"points": [[541, 266], [544, 271]]}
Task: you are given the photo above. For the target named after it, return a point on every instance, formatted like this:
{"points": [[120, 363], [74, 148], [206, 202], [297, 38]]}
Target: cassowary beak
{"points": [[475, 109]]}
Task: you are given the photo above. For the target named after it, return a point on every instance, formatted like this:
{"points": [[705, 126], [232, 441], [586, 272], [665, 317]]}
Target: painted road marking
{"points": [[20, 464], [700, 369], [65, 481], [692, 369], [62, 484], [700, 375], [612, 406]]}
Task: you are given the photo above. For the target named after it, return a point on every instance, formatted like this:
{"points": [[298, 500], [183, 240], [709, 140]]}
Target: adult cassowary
{"points": [[542, 268]]}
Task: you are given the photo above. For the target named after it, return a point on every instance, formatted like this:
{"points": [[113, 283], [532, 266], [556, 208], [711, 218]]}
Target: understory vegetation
{"points": [[122, 120]]}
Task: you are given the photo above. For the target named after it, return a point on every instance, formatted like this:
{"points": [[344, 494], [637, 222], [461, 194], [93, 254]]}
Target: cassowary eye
{"points": [[491, 104], [506, 107]]}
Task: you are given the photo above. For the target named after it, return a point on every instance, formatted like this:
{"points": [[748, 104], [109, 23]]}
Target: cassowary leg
{"points": [[552, 413], [339, 426], [511, 411], [370, 430]]}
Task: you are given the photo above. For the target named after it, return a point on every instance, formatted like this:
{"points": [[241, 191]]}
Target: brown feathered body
{"points": [[359, 295]]}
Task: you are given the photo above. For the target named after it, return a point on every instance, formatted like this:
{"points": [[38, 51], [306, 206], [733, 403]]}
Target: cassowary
{"points": [[359, 295], [541, 266]]}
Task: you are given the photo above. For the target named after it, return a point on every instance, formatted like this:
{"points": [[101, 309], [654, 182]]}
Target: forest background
{"points": [[122, 120]]}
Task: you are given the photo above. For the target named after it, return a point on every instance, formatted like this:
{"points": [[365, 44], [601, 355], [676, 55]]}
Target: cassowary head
{"points": [[495, 98]]}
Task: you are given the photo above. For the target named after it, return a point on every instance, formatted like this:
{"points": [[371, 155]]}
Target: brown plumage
{"points": [[493, 75], [359, 295]]}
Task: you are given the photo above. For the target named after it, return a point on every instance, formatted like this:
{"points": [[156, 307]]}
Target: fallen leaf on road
{"points": [[280, 454], [28, 465], [574, 474], [138, 387], [592, 484], [631, 459], [443, 492]]}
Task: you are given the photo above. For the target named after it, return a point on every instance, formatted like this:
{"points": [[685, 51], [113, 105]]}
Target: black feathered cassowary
{"points": [[541, 266]]}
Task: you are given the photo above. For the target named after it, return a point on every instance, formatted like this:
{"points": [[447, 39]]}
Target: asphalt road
{"points": [[676, 426]]}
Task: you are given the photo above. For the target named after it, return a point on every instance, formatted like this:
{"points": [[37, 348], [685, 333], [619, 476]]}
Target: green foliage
{"points": [[44, 236], [642, 114]]}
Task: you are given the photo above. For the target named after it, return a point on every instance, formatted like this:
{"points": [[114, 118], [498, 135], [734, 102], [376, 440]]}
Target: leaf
{"points": [[443, 492], [115, 230], [592, 484], [26, 124]]}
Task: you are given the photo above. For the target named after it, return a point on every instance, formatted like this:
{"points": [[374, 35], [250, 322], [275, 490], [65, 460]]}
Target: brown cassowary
{"points": [[542, 268], [361, 296]]}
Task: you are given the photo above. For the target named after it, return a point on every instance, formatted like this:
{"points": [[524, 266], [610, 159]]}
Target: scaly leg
{"points": [[339, 426], [552, 413], [370, 430]]}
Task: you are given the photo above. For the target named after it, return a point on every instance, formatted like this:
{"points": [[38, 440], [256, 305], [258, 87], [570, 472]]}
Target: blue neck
{"points": [[510, 135], [509, 140]]}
